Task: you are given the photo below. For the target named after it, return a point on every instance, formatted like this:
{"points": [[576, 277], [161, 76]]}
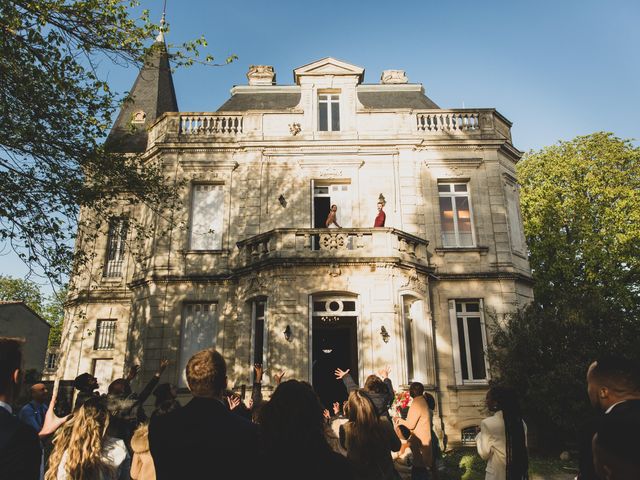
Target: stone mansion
{"points": [[250, 266]]}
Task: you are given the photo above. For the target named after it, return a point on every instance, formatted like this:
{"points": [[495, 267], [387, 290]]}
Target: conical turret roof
{"points": [[152, 95]]}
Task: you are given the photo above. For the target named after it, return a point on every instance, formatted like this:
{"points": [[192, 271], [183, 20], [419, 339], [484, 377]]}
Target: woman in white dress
{"points": [[502, 440], [83, 451]]}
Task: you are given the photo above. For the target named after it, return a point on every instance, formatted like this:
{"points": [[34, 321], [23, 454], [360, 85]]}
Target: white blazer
{"points": [[492, 446]]}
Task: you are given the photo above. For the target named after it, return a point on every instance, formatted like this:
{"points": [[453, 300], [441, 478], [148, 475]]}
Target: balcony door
{"points": [[326, 194]]}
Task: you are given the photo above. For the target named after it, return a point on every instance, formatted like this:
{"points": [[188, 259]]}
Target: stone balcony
{"points": [[323, 245], [252, 126]]}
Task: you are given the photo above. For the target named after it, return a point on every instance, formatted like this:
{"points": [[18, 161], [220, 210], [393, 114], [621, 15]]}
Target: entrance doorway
{"points": [[335, 345]]}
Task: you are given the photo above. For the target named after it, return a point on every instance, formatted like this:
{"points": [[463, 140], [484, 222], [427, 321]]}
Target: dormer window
{"points": [[329, 112]]}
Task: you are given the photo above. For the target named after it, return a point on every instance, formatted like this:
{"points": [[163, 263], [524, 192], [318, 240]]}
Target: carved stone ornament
{"points": [[261, 75], [413, 281], [139, 117], [255, 284], [295, 128], [331, 172], [391, 77], [334, 270], [333, 241]]}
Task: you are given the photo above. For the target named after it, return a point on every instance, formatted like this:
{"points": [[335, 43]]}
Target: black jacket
{"points": [[628, 409], [382, 401], [20, 452], [203, 440]]}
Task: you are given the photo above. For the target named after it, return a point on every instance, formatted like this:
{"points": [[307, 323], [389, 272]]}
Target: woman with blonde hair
{"points": [[368, 439], [83, 451]]}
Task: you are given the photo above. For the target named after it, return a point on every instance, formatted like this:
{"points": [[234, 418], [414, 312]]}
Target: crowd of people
{"points": [[290, 435]]}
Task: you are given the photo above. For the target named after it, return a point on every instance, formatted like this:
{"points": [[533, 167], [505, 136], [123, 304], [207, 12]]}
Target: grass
{"points": [[466, 464]]}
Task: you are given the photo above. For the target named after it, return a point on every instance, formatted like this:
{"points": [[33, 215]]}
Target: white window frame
{"points": [[514, 217], [331, 104], [457, 361], [452, 194], [418, 339], [116, 243], [197, 308], [265, 336], [219, 243]]}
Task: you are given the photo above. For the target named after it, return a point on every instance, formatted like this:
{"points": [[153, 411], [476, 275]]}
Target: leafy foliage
{"points": [[581, 211], [55, 110]]}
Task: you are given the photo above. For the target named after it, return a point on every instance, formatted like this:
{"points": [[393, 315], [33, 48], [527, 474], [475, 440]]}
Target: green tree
{"points": [[55, 111], [581, 211]]}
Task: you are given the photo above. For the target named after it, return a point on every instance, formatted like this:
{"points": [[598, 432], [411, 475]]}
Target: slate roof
{"points": [[241, 102], [153, 93], [395, 99]]}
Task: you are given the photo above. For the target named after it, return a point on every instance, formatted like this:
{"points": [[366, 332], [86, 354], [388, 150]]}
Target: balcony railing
{"points": [[195, 127], [333, 244]]}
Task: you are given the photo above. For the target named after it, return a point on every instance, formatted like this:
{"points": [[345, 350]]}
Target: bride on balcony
{"points": [[332, 220]]}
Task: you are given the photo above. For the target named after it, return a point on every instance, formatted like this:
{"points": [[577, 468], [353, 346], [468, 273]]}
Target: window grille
{"points": [[105, 335]]}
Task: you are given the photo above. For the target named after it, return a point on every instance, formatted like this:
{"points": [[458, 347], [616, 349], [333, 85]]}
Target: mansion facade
{"points": [[248, 265]]}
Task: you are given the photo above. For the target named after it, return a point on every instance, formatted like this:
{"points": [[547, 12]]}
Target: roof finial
{"points": [[160, 37]]}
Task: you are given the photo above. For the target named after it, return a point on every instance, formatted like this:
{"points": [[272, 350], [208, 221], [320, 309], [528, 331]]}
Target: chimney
{"points": [[393, 77], [261, 75]]}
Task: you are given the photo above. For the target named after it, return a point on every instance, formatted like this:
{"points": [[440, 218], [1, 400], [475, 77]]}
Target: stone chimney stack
{"points": [[393, 77], [261, 75]]}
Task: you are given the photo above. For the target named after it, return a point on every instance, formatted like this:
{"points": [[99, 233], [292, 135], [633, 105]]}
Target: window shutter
{"points": [[454, 342]]}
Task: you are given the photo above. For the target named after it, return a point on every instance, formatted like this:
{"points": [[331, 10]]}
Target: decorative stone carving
{"points": [[295, 128], [255, 284], [331, 172], [334, 270], [333, 241], [139, 117], [413, 282], [261, 75], [391, 77]]}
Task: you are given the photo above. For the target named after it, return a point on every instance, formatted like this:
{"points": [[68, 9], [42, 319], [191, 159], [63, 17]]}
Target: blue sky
{"points": [[556, 69]]}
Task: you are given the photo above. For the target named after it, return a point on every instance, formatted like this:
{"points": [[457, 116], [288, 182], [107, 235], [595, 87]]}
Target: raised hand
{"points": [[341, 373], [233, 401], [384, 372], [163, 365], [51, 421], [259, 371], [326, 414], [279, 376], [336, 408], [133, 371]]}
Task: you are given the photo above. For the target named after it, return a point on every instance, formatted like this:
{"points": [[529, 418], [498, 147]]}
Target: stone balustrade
{"points": [[211, 124], [256, 126], [448, 121], [347, 244]]}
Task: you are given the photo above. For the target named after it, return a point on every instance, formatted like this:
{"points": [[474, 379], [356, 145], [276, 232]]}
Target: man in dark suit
{"points": [[20, 452], [204, 439], [613, 386], [615, 448]]}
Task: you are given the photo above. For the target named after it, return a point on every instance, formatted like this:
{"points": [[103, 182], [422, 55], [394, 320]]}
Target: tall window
{"points": [[513, 216], [455, 215], [207, 217], [105, 335], [329, 112], [199, 328], [415, 339], [469, 341], [116, 239], [258, 316]]}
